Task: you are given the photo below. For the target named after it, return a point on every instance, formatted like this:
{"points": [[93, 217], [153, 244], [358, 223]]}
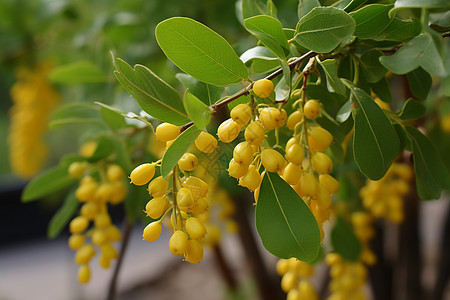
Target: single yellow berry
{"points": [[166, 132], [104, 261], [295, 154], [272, 118], [251, 180], [158, 187], [102, 220], [185, 200], [236, 170], [198, 187], [113, 233], [86, 191], [109, 251], [88, 148], [104, 192], [89, 210], [84, 254], [76, 241], [445, 123], [194, 252], [99, 237], [263, 88], [295, 118], [119, 192], [282, 266], [241, 114], [311, 109], [319, 139], [195, 228], [292, 173], [78, 224], [329, 183], [228, 131], [272, 160], [200, 206], [307, 291], [84, 274], [188, 162], [323, 198], [308, 184], [77, 168], [205, 142], [142, 174], [152, 232], [156, 207], [322, 163], [114, 173], [254, 133], [243, 153], [289, 281], [178, 243]]}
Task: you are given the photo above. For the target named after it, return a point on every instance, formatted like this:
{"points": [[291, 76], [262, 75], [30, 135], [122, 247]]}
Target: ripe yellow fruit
{"points": [[254, 133], [319, 139], [77, 168], [84, 254], [188, 162], [243, 153], [158, 187], [84, 274], [241, 114], [76, 241], [88, 148], [102, 220], [119, 192], [263, 88], [104, 192], [156, 207], [272, 160], [178, 243], [236, 170], [251, 180], [308, 184], [104, 261], [322, 163], [113, 233], [295, 118], [282, 266], [142, 174], [289, 281], [205, 142], [307, 291], [292, 173], [295, 154], [185, 200], [195, 228], [152, 232], [89, 210], [311, 109], [99, 237], [198, 187], [272, 118], [109, 251], [329, 183], [78, 224], [114, 173], [200, 206], [323, 199], [194, 252], [228, 130], [166, 132], [86, 190]]}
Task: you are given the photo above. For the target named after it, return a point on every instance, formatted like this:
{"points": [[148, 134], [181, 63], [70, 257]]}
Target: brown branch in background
{"points": [[224, 268], [125, 240]]}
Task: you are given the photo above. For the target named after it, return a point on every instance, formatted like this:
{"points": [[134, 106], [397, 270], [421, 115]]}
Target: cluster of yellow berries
{"points": [[95, 196], [347, 278], [33, 100], [181, 194], [384, 198], [295, 279]]}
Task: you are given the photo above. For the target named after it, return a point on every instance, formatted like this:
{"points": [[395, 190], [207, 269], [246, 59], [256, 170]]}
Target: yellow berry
{"points": [[102, 220], [166, 132], [205, 142], [199, 207], [104, 192], [77, 168], [307, 291], [254, 133], [194, 252], [188, 162], [198, 187], [152, 231], [76, 241], [333, 259], [329, 183], [78, 224], [263, 88], [118, 193], [114, 173], [272, 118], [178, 243], [308, 184], [294, 118], [252, 179], [272, 160], [104, 261], [294, 295], [142, 174], [323, 198], [241, 114], [195, 228], [113, 233], [99, 237], [84, 254], [243, 153], [109, 251], [156, 207], [88, 148], [289, 281], [292, 173], [236, 170], [228, 131], [295, 154], [282, 266], [86, 191], [322, 163], [319, 139], [84, 274], [185, 199], [311, 109], [158, 187]]}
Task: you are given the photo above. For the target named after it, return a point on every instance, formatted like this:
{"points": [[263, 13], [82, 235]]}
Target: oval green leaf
{"points": [[63, 215], [371, 20], [197, 110], [344, 240], [375, 144], [284, 222], [412, 110], [323, 29], [200, 52], [208, 94]]}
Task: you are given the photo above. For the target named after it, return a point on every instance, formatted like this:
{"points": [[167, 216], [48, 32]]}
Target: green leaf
{"points": [[105, 146], [62, 217], [283, 87], [353, 5], [371, 20], [305, 6], [153, 95], [270, 32], [252, 8], [371, 67], [200, 52], [344, 240], [323, 29], [442, 23], [334, 83], [177, 149], [208, 94], [258, 52], [284, 222], [47, 182], [113, 119], [412, 110], [197, 110], [399, 4], [128, 115], [419, 83], [78, 72], [344, 112], [431, 173], [399, 30], [375, 144], [382, 90], [419, 52], [74, 113]]}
